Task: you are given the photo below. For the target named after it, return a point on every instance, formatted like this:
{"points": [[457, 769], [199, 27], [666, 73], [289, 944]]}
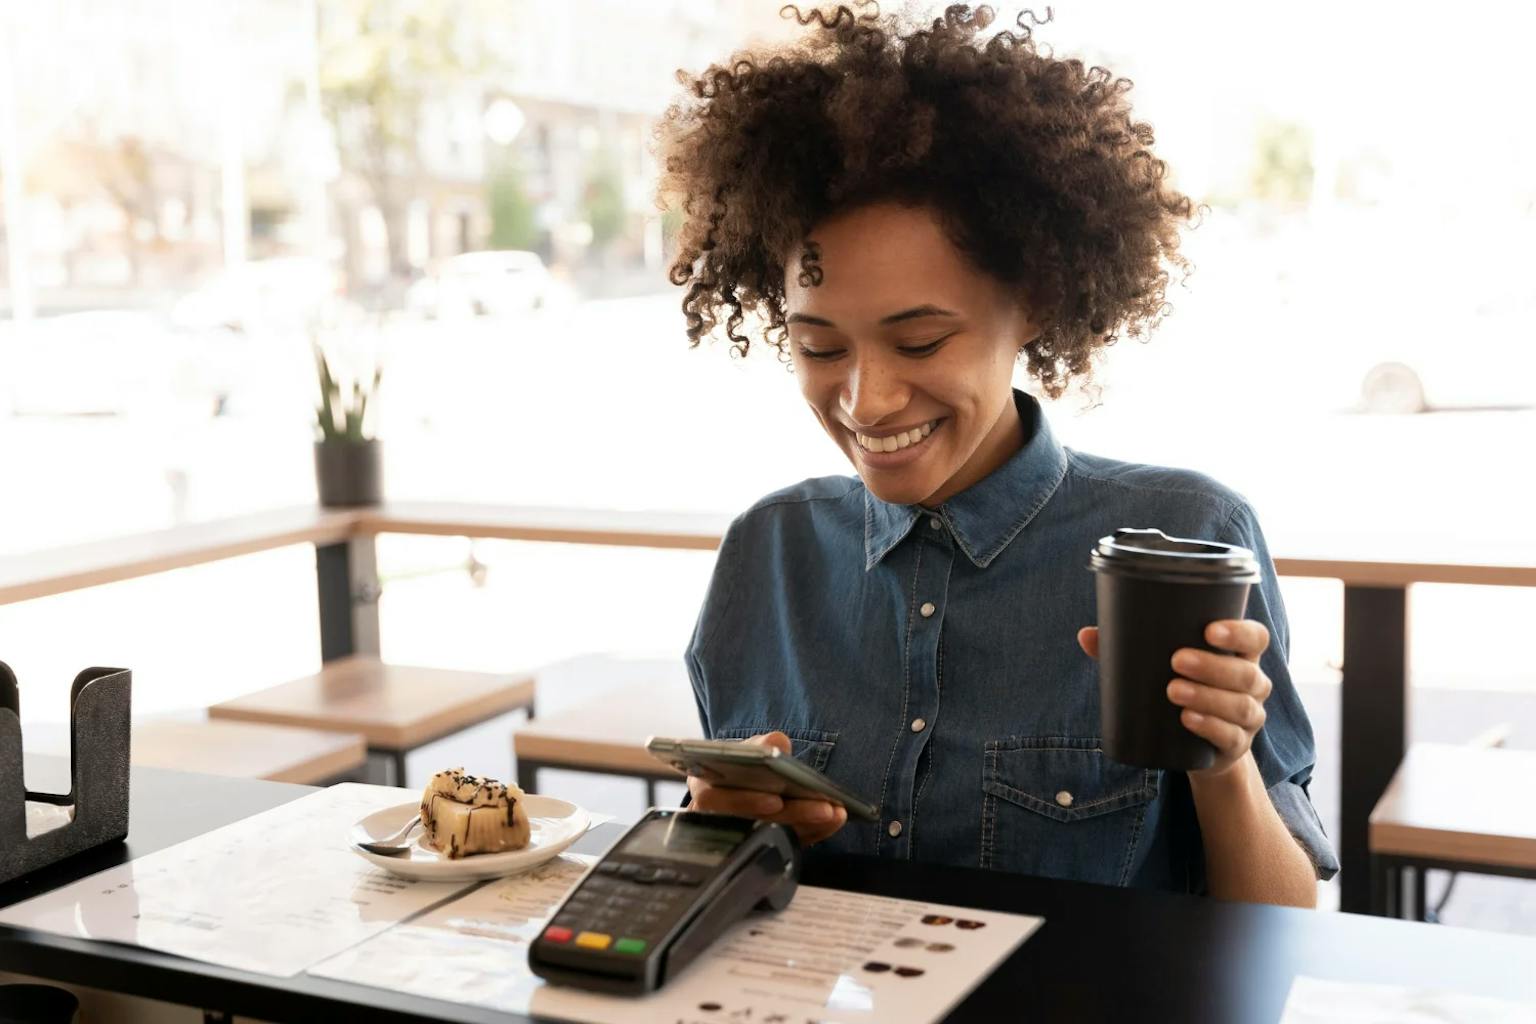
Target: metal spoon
{"points": [[393, 845]]}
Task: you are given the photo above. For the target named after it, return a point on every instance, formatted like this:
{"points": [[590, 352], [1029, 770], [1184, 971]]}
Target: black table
{"points": [[1103, 954]]}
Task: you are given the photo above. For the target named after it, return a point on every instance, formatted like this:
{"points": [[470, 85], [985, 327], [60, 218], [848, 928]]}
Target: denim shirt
{"points": [[928, 662]]}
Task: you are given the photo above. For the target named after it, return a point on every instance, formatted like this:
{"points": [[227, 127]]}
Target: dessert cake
{"points": [[465, 815]]}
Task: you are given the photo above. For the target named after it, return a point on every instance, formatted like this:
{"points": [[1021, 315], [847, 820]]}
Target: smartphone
{"points": [[736, 765]]}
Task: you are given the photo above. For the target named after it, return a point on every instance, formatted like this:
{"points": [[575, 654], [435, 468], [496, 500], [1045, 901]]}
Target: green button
{"points": [[636, 946]]}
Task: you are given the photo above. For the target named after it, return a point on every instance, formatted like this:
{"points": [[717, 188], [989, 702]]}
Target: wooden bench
{"points": [[277, 753], [602, 726], [396, 708], [1455, 808]]}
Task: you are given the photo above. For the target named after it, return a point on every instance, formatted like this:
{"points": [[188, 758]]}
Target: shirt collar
{"points": [[986, 516]]}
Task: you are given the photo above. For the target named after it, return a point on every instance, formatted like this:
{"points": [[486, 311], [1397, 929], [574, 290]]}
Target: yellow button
{"points": [[594, 940]]}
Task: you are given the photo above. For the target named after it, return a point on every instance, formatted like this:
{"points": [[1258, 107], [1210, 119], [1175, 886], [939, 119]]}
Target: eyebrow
{"points": [[915, 313]]}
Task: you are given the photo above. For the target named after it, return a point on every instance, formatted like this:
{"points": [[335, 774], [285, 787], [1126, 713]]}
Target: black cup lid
{"points": [[1152, 552]]}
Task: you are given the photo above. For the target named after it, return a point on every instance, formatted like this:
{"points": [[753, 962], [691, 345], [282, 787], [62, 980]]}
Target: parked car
{"points": [[491, 283], [115, 362], [1381, 314], [284, 294], [1444, 353]]}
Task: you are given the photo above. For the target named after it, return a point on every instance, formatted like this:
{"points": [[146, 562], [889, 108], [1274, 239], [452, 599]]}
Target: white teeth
{"points": [[895, 442]]}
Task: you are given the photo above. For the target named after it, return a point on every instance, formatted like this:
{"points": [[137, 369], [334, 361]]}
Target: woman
{"points": [[911, 210]]}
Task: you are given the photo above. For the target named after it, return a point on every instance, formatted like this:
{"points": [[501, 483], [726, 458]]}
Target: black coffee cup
{"points": [[1157, 594]]}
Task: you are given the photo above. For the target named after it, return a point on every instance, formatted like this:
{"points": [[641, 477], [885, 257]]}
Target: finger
{"points": [[1243, 637], [1238, 708], [773, 739], [1227, 738], [745, 803], [1088, 640], [814, 834], [1224, 670], [806, 812]]}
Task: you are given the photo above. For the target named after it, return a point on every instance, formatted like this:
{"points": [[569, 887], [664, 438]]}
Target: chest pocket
{"points": [[1059, 807], [812, 746]]}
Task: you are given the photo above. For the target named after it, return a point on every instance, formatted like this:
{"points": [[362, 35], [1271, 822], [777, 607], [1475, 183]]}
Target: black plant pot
{"points": [[349, 473]]}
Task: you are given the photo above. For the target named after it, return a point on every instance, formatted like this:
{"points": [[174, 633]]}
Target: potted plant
{"points": [[348, 464]]}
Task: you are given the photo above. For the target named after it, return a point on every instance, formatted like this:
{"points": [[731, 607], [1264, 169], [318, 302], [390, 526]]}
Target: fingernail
{"points": [[1186, 661], [1193, 717], [1180, 692], [822, 812], [1221, 634]]}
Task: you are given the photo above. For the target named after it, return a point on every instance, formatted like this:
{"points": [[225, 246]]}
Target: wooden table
{"points": [[1454, 808], [1373, 695], [1103, 954], [1376, 577], [395, 708], [606, 730], [248, 750]]}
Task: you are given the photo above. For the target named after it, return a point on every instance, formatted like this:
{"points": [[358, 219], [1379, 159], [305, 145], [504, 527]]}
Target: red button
{"points": [[553, 934]]}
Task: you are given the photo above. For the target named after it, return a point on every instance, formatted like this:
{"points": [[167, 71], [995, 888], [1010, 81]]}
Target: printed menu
{"points": [[274, 893], [830, 957], [1318, 1001]]}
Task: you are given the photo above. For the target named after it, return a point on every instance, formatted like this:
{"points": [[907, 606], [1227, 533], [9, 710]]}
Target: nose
{"points": [[873, 390]]}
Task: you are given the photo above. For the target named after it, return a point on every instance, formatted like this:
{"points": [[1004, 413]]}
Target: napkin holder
{"points": [[99, 724]]}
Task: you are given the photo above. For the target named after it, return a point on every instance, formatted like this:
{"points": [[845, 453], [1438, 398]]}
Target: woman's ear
{"points": [[1036, 322], [1032, 333]]}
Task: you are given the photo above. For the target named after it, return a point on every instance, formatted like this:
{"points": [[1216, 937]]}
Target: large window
{"points": [[193, 194]]}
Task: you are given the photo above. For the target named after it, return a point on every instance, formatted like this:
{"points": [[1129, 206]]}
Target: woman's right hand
{"points": [[812, 820]]}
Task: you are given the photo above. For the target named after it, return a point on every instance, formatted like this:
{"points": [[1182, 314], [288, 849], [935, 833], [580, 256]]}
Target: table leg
{"points": [[347, 582], [527, 776], [1373, 725]]}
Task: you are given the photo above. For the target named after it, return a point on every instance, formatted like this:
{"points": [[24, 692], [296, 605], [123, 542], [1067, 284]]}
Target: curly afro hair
{"points": [[1033, 165]]}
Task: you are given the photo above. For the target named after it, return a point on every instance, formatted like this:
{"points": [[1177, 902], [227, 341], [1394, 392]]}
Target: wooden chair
{"points": [[609, 708], [396, 708], [277, 753], [1455, 808]]}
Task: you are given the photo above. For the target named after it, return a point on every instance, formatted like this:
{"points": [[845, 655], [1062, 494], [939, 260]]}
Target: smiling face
{"points": [[905, 353]]}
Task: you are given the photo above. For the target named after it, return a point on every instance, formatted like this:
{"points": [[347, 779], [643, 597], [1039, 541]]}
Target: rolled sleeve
{"points": [[1296, 810]]}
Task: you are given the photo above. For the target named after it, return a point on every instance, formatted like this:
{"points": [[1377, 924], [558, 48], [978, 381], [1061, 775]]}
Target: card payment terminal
{"points": [[668, 888]]}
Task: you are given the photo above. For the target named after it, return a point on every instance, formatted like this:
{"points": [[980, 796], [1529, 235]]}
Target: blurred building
{"points": [[567, 122], [160, 142]]}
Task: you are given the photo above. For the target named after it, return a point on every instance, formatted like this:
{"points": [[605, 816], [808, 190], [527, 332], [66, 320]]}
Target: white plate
{"points": [[554, 824]]}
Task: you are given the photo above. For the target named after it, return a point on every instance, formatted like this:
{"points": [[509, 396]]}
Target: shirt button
{"points": [[927, 609], [918, 725], [936, 523], [1064, 798], [894, 829]]}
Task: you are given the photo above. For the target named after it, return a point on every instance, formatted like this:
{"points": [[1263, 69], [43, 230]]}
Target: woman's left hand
{"points": [[1222, 694]]}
